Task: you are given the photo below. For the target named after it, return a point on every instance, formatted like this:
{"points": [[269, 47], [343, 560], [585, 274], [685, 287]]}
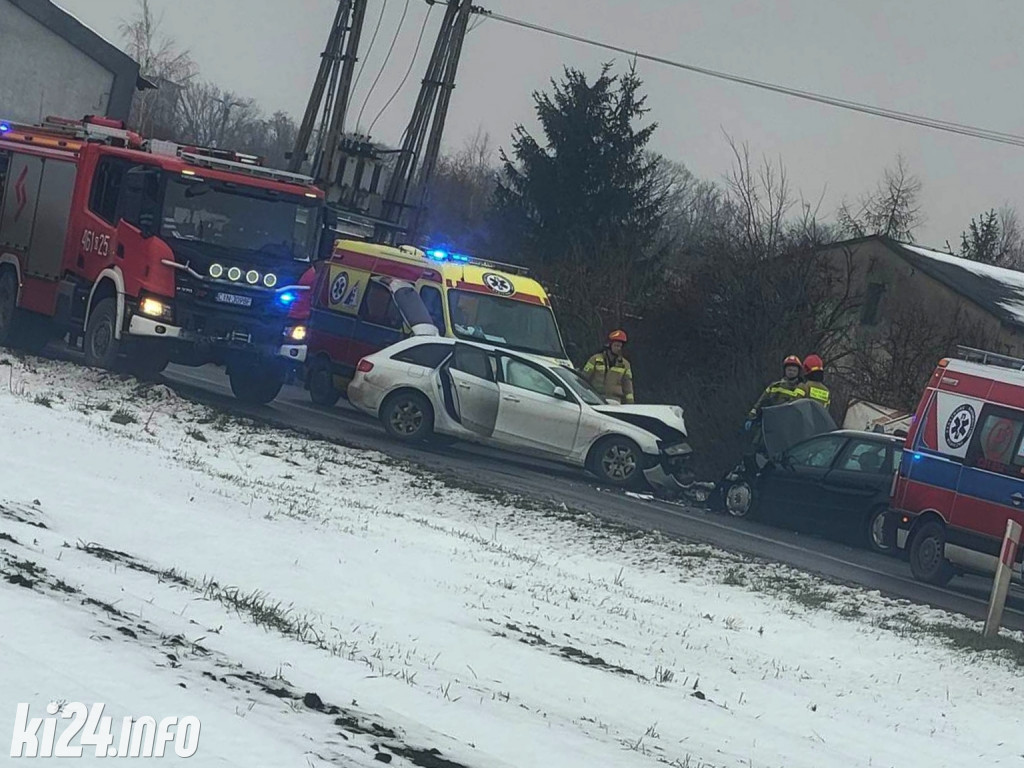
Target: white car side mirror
{"points": [[560, 393], [612, 401]]}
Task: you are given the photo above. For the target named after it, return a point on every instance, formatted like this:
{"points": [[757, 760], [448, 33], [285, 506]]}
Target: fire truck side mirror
{"points": [[328, 235]]}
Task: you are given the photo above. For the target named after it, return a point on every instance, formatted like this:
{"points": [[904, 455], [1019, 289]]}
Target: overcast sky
{"points": [[957, 61]]}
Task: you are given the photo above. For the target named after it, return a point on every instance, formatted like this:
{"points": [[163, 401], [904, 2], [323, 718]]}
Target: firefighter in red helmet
{"points": [[608, 371], [786, 389], [814, 381]]}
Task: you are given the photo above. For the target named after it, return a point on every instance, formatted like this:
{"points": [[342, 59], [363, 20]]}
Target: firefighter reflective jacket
{"points": [[610, 375], [782, 391], [817, 391]]}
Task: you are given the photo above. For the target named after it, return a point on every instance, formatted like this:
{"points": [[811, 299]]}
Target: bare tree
{"points": [[893, 209], [762, 197], [460, 195], [161, 61]]}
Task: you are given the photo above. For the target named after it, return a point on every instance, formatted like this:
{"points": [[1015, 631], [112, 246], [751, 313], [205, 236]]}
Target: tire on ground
{"points": [[256, 384], [617, 460], [739, 498], [927, 554], [875, 534], [101, 343], [8, 304], [408, 415], [321, 383]]}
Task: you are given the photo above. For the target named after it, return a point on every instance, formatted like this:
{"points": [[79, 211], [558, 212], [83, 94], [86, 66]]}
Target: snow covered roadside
{"points": [[316, 605]]}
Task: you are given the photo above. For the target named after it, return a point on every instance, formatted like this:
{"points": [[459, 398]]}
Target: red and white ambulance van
{"points": [[962, 473]]}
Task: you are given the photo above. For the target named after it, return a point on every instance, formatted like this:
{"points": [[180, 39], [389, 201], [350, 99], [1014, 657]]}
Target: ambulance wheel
{"points": [[928, 560], [101, 343], [408, 416], [8, 301], [255, 385], [321, 383]]}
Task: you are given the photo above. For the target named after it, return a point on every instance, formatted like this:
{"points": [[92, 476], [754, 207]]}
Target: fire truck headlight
{"points": [[216, 271], [270, 280], [234, 274], [252, 277], [156, 308], [297, 333]]}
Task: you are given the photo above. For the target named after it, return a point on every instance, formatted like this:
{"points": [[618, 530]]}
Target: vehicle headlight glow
{"points": [[252, 277], [297, 333], [234, 274], [154, 308], [216, 271], [270, 280]]}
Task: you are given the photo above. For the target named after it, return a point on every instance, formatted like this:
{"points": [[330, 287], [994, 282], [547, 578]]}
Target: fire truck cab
{"points": [[143, 252]]}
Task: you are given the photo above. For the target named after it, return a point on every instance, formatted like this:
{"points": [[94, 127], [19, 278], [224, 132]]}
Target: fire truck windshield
{"points": [[240, 218], [506, 322]]}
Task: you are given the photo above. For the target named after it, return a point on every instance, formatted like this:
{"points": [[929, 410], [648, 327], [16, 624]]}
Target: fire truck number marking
{"points": [[93, 242], [960, 426]]}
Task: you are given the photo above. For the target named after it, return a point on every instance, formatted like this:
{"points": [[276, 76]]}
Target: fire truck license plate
{"points": [[231, 298]]}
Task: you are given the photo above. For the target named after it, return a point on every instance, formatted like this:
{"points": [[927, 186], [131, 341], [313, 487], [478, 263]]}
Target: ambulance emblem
{"points": [[960, 425], [499, 284], [338, 287]]}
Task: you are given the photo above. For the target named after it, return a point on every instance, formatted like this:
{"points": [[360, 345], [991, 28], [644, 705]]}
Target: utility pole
{"points": [[331, 92], [418, 155]]}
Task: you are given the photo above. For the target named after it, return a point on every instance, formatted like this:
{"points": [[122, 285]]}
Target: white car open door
{"points": [[470, 377]]}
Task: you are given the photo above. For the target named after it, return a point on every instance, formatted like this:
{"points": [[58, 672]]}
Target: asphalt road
{"points": [[552, 482]]}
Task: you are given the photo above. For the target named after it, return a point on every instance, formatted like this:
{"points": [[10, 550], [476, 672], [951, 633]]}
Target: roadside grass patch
{"points": [[123, 416], [44, 400]]}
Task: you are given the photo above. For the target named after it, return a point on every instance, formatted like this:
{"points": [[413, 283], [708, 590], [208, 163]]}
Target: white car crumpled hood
{"points": [[669, 415]]}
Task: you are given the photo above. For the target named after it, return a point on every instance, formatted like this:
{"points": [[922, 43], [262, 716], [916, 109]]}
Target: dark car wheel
{"points": [[877, 532], [617, 461], [928, 560], [739, 498], [408, 416]]}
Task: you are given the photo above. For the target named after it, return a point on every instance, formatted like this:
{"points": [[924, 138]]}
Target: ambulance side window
{"points": [[106, 188], [379, 307], [432, 299], [996, 443]]}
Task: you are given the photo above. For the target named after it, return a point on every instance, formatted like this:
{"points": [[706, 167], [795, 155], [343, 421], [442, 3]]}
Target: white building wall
{"points": [[42, 74]]}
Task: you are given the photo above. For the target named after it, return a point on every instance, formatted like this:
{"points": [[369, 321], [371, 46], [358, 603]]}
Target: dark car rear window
{"points": [[427, 355]]}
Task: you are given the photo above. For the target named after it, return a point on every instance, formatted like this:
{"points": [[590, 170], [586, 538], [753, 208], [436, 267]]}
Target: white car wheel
{"points": [[408, 415], [617, 460]]}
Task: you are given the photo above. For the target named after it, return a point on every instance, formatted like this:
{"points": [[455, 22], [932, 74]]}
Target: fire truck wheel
{"points": [[101, 344], [928, 562], [321, 383], [8, 299], [255, 385], [146, 362]]}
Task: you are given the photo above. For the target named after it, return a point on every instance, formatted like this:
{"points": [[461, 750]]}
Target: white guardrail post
{"points": [[1001, 583]]}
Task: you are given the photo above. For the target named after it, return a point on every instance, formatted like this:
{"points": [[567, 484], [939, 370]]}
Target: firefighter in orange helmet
{"points": [[609, 372], [814, 381], [786, 389]]}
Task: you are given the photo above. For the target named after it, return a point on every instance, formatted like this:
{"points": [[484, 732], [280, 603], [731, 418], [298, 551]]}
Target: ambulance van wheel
{"points": [[321, 383], [101, 343], [928, 560]]}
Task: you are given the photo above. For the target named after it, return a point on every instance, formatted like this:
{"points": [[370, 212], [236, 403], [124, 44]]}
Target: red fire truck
{"points": [[143, 252]]}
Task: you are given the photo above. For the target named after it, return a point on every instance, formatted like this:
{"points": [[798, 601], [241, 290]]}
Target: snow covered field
{"points": [[315, 605]]}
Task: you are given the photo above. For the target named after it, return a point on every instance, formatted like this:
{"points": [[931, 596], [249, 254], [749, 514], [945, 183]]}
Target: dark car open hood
{"points": [[786, 425]]}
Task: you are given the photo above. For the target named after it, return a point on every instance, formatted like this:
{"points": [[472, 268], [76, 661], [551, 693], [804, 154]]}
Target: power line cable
{"points": [[962, 129], [383, 66], [405, 78], [369, 48]]}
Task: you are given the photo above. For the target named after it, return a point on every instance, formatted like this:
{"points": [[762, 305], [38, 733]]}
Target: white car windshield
{"points": [[580, 386]]}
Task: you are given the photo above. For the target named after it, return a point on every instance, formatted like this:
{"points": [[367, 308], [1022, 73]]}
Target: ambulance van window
{"points": [[379, 308], [996, 444], [432, 299]]}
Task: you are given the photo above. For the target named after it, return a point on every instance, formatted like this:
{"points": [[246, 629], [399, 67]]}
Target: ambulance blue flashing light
{"points": [[5, 127], [438, 254], [287, 298], [917, 457]]}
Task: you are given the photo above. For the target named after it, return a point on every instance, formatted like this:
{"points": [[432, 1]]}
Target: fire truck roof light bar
{"points": [[257, 171], [972, 355]]}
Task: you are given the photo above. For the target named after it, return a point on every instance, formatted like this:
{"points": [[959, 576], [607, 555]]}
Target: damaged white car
{"points": [[429, 386]]}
